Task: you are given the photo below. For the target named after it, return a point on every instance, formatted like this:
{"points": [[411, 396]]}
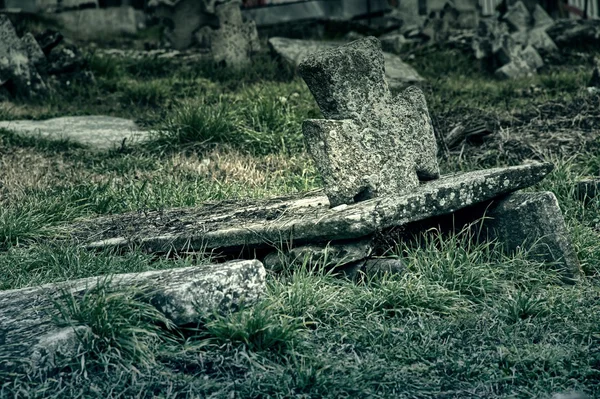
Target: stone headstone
{"points": [[541, 19], [293, 51], [371, 144], [534, 221], [18, 60], [235, 40], [517, 17], [97, 132], [97, 23]]}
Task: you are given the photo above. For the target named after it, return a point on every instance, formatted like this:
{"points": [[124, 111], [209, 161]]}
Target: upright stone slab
{"points": [[235, 40], [370, 144], [17, 69], [535, 222]]}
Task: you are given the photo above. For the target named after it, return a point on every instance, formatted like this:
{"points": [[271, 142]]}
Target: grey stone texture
{"points": [[293, 51], [96, 132], [534, 221], [30, 340], [234, 41], [517, 17], [588, 189], [327, 256], [298, 220], [541, 19], [18, 58], [371, 144], [97, 23]]}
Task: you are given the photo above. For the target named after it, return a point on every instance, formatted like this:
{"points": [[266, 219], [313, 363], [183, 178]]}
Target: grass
{"points": [[464, 321]]}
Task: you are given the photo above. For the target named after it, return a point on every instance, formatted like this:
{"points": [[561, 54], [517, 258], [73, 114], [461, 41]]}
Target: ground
{"points": [[465, 320]]}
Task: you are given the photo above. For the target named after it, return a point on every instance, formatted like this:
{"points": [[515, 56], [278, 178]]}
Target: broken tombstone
{"points": [[293, 51], [349, 87], [234, 41], [371, 144], [18, 60], [31, 341]]}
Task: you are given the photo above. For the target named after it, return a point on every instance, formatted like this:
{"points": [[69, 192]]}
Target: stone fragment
{"points": [[185, 18], [327, 256], [234, 41], [524, 62], [227, 227], [533, 221], [380, 266], [30, 340], [97, 23], [540, 40], [33, 50], [17, 70], [517, 17], [371, 144], [541, 19], [293, 51], [97, 132]]}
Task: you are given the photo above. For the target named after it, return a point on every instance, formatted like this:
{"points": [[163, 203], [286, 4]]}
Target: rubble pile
{"points": [[31, 65], [512, 43]]}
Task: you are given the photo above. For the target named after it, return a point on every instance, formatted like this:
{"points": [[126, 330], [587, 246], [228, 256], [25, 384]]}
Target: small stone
{"points": [[381, 266], [541, 19], [517, 17], [540, 40], [393, 42], [371, 144], [534, 221], [586, 190]]}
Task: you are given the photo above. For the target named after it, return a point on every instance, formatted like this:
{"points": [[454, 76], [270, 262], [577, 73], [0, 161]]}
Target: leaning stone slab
{"points": [[371, 144], [30, 340], [293, 51], [97, 132], [231, 226], [533, 221]]}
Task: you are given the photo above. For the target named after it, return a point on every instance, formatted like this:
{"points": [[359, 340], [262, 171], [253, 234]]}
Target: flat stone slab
{"points": [[98, 132], [232, 225], [398, 74]]}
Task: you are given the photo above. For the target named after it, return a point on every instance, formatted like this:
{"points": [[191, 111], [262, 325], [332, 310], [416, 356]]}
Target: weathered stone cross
{"points": [[370, 144]]}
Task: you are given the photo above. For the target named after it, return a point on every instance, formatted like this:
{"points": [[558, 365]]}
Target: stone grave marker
{"points": [[371, 144]]}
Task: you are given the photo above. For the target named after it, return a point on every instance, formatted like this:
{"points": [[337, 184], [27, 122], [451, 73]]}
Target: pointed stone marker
{"points": [[370, 144]]}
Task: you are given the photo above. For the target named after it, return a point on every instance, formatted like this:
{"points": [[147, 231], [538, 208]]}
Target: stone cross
{"points": [[371, 144]]}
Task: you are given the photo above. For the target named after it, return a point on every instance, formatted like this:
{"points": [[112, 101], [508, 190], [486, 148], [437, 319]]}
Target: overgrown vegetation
{"points": [[464, 321]]}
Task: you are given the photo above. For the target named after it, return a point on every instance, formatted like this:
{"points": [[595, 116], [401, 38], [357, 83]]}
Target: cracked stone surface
{"points": [[371, 144], [301, 219]]}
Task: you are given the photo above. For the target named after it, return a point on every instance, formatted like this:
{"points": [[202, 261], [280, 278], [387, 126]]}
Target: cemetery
{"points": [[210, 199]]}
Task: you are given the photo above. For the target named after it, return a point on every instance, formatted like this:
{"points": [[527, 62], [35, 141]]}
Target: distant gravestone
{"points": [[371, 144]]}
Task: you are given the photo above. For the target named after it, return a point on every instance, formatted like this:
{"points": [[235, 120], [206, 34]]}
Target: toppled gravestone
{"points": [[96, 132], [398, 74], [30, 340], [371, 144], [512, 43], [30, 66], [217, 26], [348, 86], [234, 41]]}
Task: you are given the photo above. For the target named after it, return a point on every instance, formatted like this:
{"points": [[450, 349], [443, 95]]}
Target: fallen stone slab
{"points": [[234, 225], [533, 221], [97, 132], [371, 143], [293, 51], [30, 340]]}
